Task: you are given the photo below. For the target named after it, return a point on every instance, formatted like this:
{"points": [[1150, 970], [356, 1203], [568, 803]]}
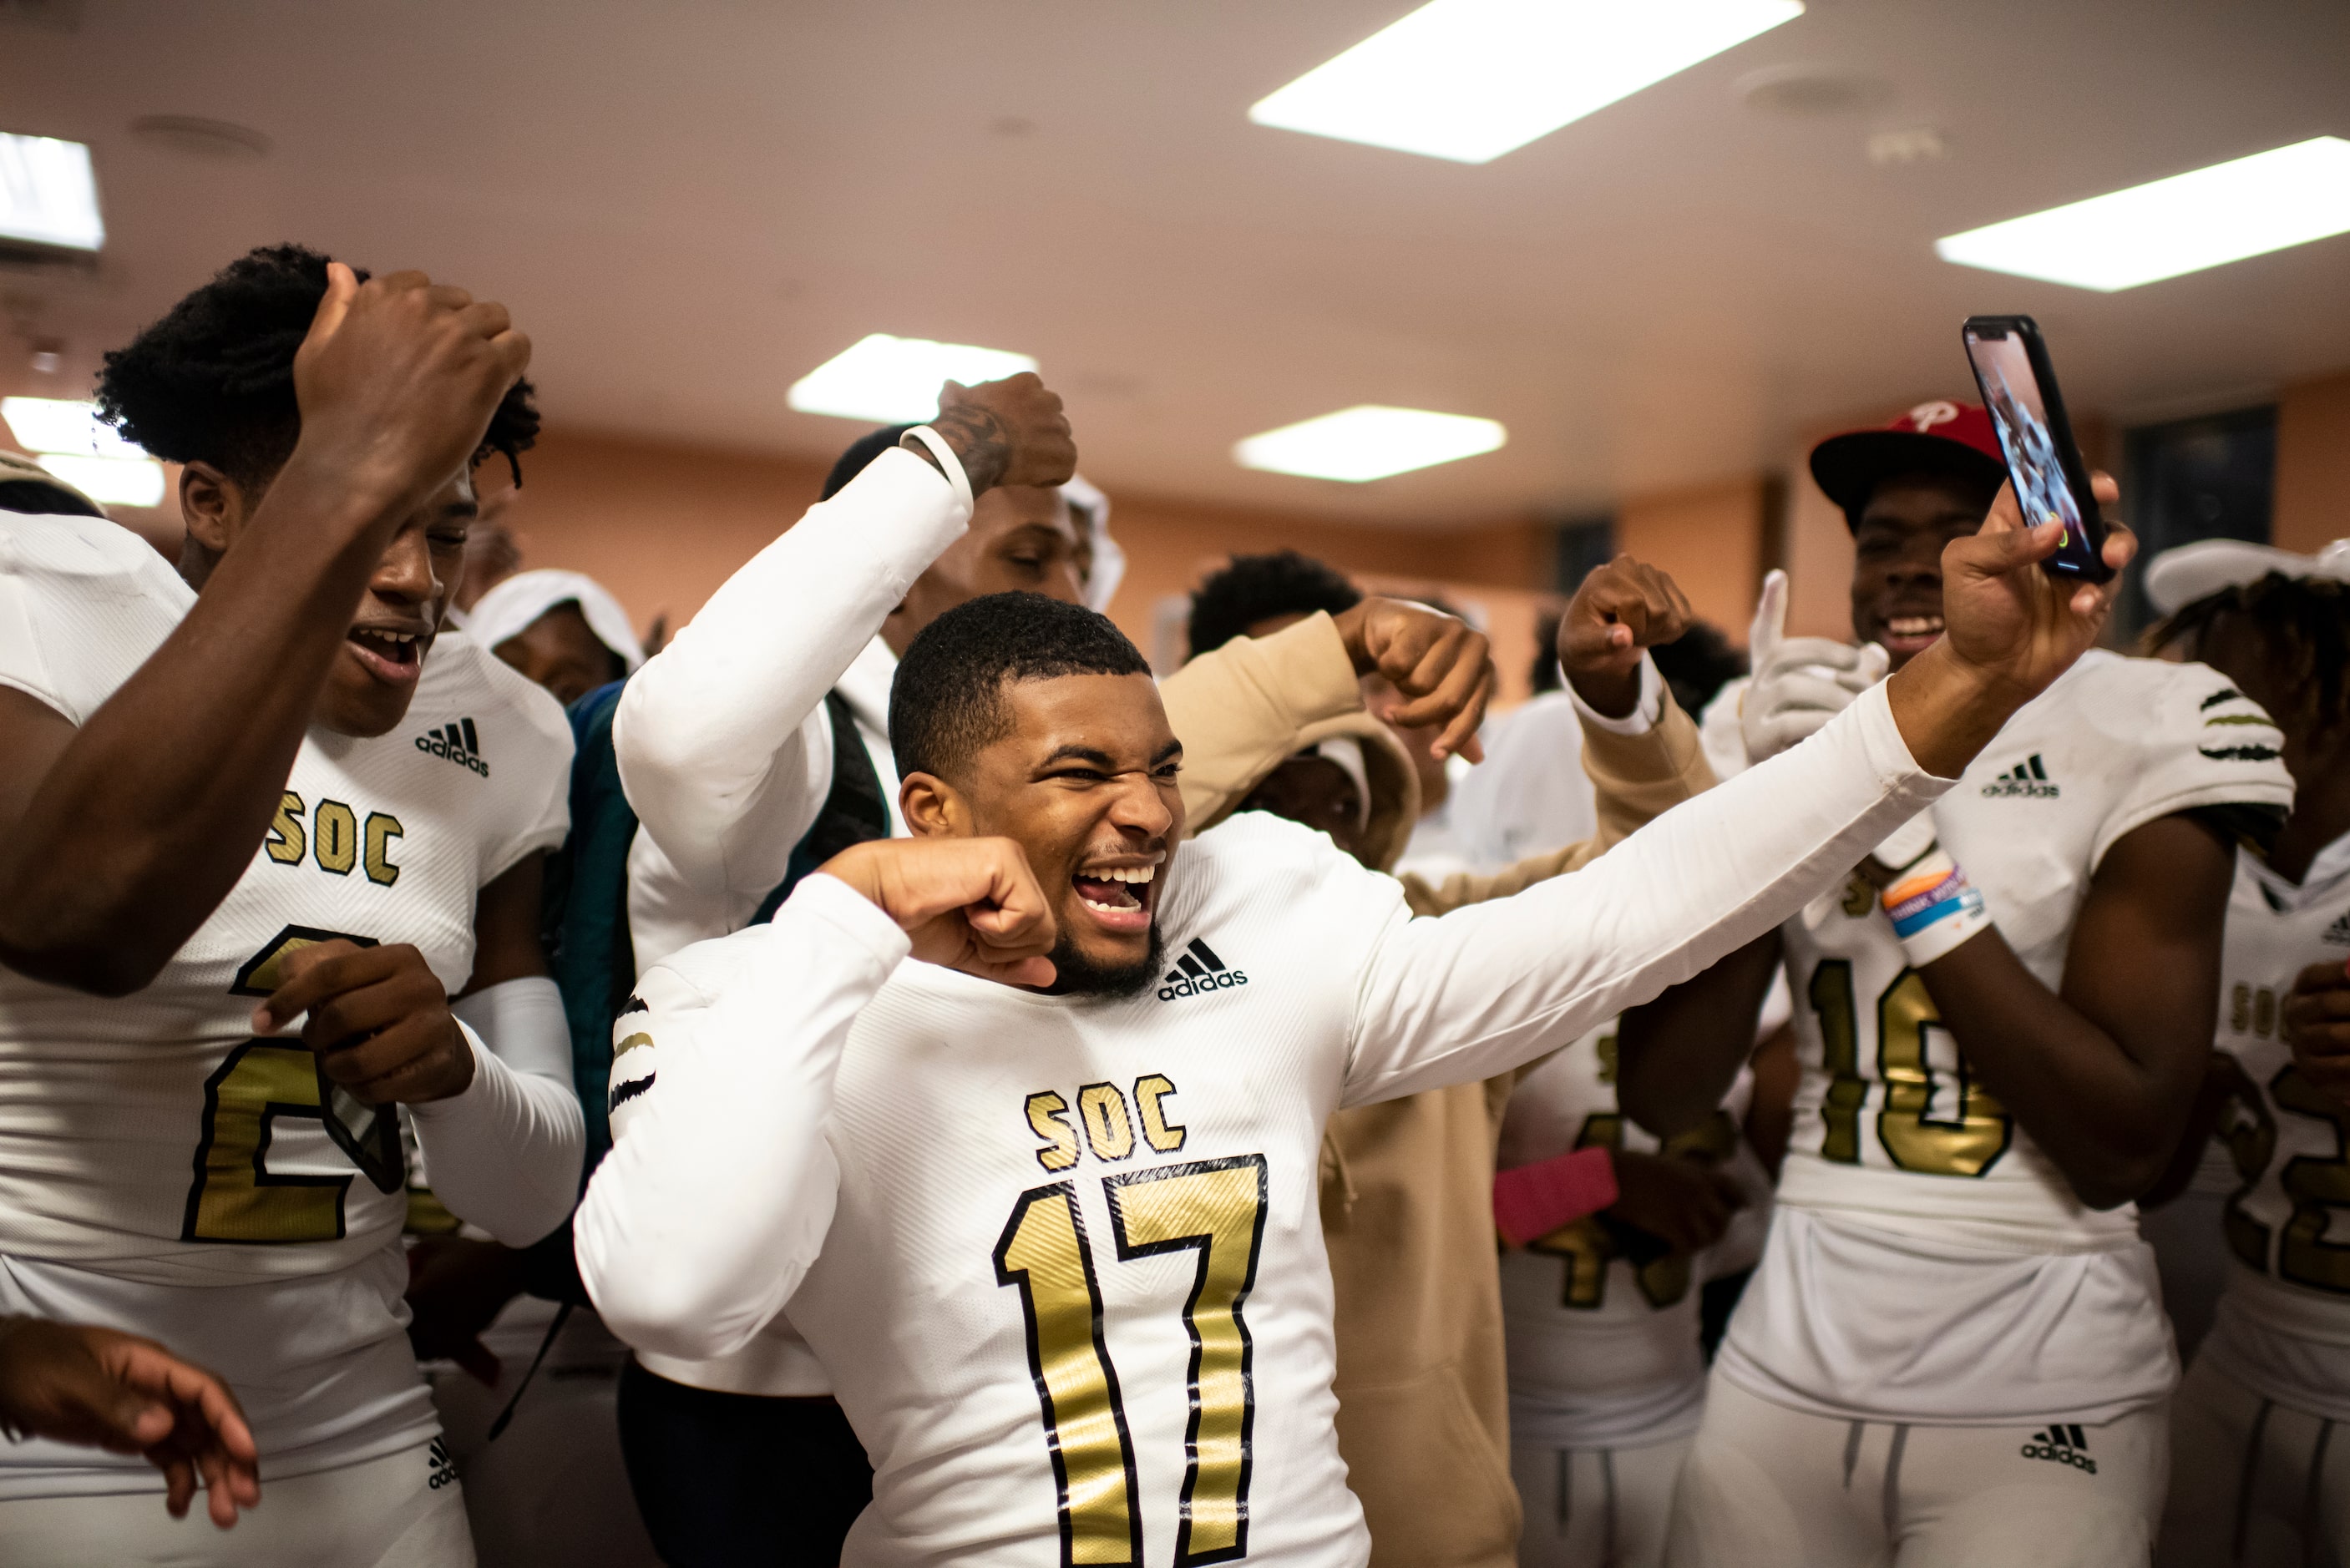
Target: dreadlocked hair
{"points": [[2302, 624], [213, 381]]}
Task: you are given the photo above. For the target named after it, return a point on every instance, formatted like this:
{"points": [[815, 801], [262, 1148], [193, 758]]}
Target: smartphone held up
{"points": [[2052, 483]]}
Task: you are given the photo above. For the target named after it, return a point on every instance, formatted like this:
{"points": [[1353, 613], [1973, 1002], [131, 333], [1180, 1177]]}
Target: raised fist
{"points": [[398, 378], [1622, 610], [1441, 667], [1011, 432]]}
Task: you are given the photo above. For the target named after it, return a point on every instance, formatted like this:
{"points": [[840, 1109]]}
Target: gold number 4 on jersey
{"points": [[1587, 1246], [235, 1197], [1213, 1207]]}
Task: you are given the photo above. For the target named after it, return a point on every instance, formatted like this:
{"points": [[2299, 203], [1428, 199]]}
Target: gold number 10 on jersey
{"points": [[1215, 1208]]}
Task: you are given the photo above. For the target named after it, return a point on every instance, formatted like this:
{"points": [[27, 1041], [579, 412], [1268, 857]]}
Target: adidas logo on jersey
{"points": [[440, 1468], [2064, 1444], [1198, 970], [458, 742], [2337, 935], [2028, 779]]}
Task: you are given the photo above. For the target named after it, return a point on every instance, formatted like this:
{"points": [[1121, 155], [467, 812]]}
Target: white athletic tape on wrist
{"points": [[1933, 907], [949, 463]]}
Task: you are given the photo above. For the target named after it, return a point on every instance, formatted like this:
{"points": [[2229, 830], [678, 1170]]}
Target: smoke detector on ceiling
{"points": [[1914, 144], [1813, 92], [199, 137]]}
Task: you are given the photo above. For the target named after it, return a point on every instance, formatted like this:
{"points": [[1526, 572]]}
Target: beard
{"points": [[1073, 974]]}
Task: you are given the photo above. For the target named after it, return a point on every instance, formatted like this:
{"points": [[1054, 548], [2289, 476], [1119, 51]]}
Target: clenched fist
{"points": [[397, 381], [1011, 432], [970, 904], [1442, 667], [1622, 610]]}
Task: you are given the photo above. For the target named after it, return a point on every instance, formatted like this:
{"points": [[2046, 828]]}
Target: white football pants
{"points": [[1595, 1508], [385, 1513], [2252, 1482], [1768, 1487]]}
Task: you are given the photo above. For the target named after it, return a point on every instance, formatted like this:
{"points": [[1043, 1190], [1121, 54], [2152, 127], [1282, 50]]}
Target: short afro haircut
{"points": [[1259, 587], [213, 381], [946, 703]]}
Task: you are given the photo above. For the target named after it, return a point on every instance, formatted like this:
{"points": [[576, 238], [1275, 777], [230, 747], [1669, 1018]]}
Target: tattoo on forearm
{"points": [[980, 439]]}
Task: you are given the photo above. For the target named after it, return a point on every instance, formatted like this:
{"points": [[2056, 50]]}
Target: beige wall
{"points": [[1710, 538], [2312, 471]]}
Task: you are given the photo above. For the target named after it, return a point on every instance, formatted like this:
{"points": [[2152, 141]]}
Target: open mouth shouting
{"points": [[1119, 896], [392, 654]]}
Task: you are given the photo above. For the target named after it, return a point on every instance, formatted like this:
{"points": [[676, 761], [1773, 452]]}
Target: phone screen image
{"points": [[2036, 443]]}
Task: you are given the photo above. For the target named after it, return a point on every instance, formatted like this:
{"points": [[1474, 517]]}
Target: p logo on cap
{"points": [[1926, 416]]}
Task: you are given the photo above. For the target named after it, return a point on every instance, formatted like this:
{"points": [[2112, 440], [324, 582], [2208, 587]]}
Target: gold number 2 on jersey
{"points": [[1215, 1208], [235, 1197], [1967, 1144]]}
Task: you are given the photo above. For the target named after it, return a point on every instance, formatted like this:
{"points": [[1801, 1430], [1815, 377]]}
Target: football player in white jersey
{"points": [[1953, 1351], [261, 824], [2256, 1478], [1074, 1300], [1606, 1375]]}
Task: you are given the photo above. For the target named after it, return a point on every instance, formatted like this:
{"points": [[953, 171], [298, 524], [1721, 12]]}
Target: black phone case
{"points": [[2090, 566]]}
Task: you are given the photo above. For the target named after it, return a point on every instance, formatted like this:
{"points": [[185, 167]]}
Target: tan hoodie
{"points": [[1406, 1186]]}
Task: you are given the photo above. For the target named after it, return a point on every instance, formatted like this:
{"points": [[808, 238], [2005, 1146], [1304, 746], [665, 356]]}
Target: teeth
{"points": [[1126, 874]]}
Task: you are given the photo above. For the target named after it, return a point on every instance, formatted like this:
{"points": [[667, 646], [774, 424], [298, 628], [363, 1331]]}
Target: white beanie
{"points": [[1090, 507], [2179, 576], [510, 609]]}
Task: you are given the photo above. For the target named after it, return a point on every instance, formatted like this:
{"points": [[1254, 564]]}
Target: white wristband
{"points": [[949, 463]]}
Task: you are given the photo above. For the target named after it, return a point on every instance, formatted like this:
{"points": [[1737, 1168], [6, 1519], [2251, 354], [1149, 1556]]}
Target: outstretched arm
{"points": [[1485, 989], [119, 835], [721, 741]]}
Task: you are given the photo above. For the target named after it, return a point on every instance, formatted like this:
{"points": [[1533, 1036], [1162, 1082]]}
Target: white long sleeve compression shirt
{"points": [[715, 1204], [721, 738], [504, 1155]]}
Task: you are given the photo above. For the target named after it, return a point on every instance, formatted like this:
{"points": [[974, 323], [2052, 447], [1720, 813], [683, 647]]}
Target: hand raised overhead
{"points": [[970, 904], [1011, 432], [1442, 666], [1623, 609], [397, 381]]}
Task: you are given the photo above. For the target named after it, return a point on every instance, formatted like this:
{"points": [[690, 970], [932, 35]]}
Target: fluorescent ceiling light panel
{"points": [[1369, 441], [894, 379], [111, 481], [63, 425], [2248, 207], [1471, 79], [48, 194]]}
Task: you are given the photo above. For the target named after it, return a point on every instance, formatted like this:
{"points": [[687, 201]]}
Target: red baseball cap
{"points": [[1941, 437]]}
